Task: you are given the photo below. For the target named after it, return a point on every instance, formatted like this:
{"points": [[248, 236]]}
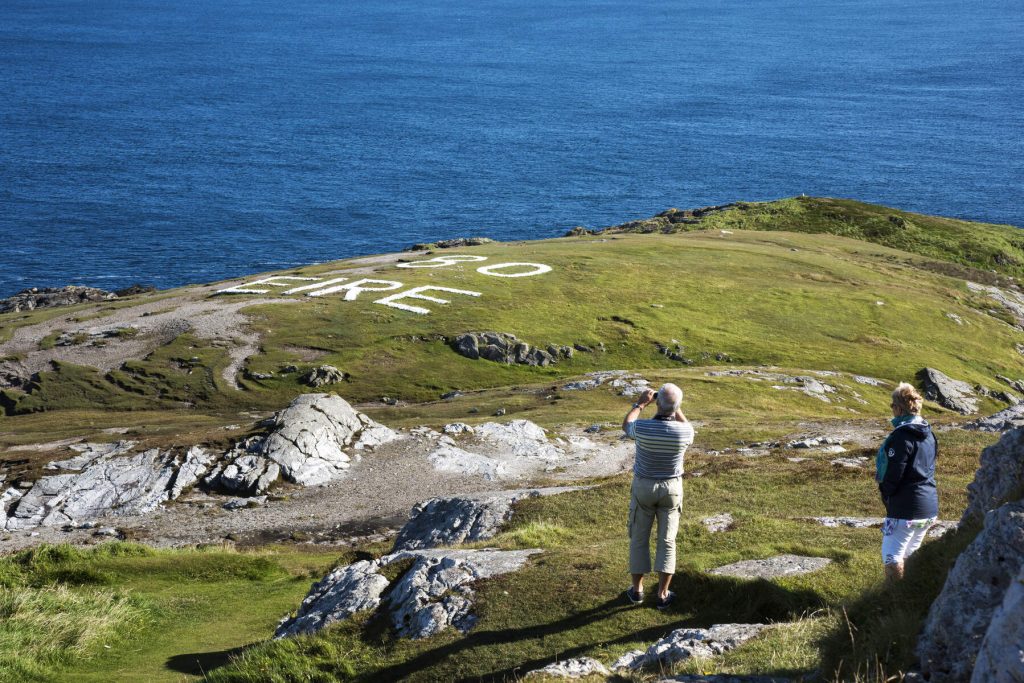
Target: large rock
{"points": [[117, 486], [50, 297], [1001, 657], [975, 587], [339, 595], [1004, 420], [463, 519], [435, 593], [194, 466], [685, 643], [249, 474], [502, 347], [309, 437], [999, 478], [948, 392]]}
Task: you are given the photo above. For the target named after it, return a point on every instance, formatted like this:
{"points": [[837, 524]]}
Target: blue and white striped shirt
{"points": [[660, 446]]}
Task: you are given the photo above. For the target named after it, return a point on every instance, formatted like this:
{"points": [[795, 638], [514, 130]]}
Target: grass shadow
{"points": [[880, 630], [199, 663], [707, 600]]}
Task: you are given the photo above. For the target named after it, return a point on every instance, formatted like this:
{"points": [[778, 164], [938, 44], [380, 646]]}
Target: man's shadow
{"points": [[201, 663]]}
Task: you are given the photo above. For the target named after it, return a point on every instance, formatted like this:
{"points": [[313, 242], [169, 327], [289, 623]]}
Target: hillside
{"points": [[784, 322]]}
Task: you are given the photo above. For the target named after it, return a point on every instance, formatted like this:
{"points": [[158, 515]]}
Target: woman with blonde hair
{"points": [[905, 471]]}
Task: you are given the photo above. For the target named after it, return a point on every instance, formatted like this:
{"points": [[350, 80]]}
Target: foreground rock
{"points": [[975, 588], [434, 594], [948, 392], [116, 486], [309, 437], [999, 477], [463, 519], [51, 297], [572, 668], [1004, 420], [772, 567], [502, 347], [1001, 657], [685, 643]]}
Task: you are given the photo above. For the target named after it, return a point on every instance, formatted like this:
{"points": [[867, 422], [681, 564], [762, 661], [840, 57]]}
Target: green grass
{"points": [[976, 246]]}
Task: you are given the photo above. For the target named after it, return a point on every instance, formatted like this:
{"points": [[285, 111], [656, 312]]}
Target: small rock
{"points": [[107, 531], [685, 643], [323, 376], [499, 412], [718, 523], [456, 428], [772, 567], [572, 668]]}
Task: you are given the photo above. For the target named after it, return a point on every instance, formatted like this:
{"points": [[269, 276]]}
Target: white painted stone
{"points": [[418, 293]]}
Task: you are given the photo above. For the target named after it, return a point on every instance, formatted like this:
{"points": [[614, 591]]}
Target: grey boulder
{"points": [[308, 438], [948, 392], [1004, 420], [435, 593], [1001, 657], [975, 588], [323, 375], [1000, 475], [463, 519]]}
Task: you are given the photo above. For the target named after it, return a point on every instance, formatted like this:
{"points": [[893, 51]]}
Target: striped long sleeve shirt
{"points": [[660, 447]]}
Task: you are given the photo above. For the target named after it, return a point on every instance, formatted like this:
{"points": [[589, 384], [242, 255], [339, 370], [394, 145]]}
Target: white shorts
{"points": [[901, 537]]}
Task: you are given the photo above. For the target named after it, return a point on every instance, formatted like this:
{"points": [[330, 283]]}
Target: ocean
{"points": [[172, 141]]}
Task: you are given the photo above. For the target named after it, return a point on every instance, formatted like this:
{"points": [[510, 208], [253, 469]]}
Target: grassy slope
{"points": [[800, 301], [974, 245]]}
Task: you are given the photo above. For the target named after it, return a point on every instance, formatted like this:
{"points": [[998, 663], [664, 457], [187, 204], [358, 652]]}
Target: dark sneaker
{"points": [[663, 604], [634, 597]]}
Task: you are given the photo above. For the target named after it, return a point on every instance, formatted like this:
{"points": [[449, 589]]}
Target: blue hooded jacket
{"points": [[906, 475]]}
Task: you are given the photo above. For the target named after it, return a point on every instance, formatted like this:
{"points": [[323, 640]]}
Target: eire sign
{"points": [[351, 290]]}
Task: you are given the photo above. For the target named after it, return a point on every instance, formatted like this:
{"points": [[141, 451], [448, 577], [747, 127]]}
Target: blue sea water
{"points": [[177, 141]]}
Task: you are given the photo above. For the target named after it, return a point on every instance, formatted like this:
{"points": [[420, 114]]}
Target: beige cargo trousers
{"points": [[650, 500]]}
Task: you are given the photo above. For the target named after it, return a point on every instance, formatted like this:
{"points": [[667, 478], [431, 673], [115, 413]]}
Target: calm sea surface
{"points": [[169, 141]]}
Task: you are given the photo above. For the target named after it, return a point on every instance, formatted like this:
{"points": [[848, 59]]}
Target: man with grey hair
{"points": [[657, 491]]}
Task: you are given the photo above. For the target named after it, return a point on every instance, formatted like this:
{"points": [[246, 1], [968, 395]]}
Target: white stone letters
{"points": [[274, 281], [318, 287], [353, 289], [536, 269], [442, 261], [417, 293]]}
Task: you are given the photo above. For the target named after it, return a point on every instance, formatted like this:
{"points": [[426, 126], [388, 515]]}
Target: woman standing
{"points": [[905, 471]]}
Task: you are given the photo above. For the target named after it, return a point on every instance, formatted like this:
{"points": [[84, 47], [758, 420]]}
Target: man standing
{"points": [[657, 491]]}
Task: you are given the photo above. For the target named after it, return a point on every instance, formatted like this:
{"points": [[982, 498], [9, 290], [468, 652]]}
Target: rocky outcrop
{"points": [[1001, 657], [947, 392], [343, 592], [454, 243], [51, 297], [572, 668], [1012, 302], [975, 588], [308, 438], [626, 383], [323, 376], [117, 486], [685, 643], [434, 594], [999, 477], [772, 567], [671, 220], [463, 519], [1004, 420], [502, 347]]}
